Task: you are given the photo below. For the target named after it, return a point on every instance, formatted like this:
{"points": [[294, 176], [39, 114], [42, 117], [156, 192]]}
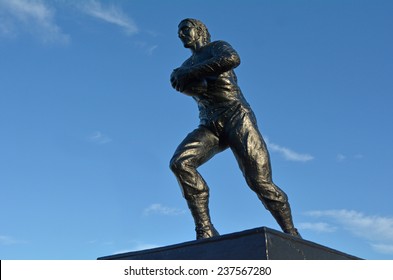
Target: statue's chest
{"points": [[197, 58]]}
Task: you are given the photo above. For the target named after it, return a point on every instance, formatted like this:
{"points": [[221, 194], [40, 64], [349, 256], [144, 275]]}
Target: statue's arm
{"points": [[181, 76], [223, 58]]}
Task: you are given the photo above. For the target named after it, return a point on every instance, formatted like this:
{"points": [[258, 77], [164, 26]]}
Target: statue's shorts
{"points": [[235, 128]]}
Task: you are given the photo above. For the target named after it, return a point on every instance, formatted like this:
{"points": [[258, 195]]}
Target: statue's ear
{"points": [[200, 32]]}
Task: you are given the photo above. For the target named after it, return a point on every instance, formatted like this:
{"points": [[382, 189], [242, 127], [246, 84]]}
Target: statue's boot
{"points": [[199, 207], [282, 214]]}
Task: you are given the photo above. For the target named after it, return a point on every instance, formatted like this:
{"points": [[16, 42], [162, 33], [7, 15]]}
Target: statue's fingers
{"points": [[175, 84]]}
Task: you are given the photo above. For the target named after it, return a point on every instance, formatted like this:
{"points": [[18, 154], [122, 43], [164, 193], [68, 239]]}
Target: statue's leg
{"points": [[197, 148], [252, 156]]}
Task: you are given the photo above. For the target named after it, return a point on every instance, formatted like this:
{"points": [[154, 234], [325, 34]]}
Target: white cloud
{"points": [[151, 49], [341, 157], [162, 210], [287, 153], [383, 248], [146, 47], [319, 227], [358, 156], [7, 240], [376, 229], [138, 247], [99, 138], [34, 17], [144, 246], [6, 26], [110, 14]]}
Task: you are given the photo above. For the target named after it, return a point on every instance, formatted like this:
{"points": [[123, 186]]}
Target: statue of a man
{"points": [[226, 121]]}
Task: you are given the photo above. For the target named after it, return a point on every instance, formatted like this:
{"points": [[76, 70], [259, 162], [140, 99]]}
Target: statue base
{"points": [[255, 244]]}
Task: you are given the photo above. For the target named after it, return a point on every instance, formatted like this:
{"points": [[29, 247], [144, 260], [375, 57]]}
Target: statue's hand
{"points": [[174, 78], [180, 77]]}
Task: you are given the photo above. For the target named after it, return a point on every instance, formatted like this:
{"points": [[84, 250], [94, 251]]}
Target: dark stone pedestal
{"points": [[255, 244]]}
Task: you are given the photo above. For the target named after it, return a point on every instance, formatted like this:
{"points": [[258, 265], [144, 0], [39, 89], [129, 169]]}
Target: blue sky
{"points": [[89, 121]]}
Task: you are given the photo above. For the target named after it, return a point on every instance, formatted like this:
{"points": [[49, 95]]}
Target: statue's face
{"points": [[188, 34]]}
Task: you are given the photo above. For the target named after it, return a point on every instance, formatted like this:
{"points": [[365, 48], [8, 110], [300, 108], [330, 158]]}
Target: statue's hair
{"points": [[201, 27]]}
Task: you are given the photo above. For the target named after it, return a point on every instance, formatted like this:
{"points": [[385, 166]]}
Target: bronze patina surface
{"points": [[226, 121]]}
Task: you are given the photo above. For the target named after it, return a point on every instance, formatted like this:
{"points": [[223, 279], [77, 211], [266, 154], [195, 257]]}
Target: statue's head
{"points": [[201, 29]]}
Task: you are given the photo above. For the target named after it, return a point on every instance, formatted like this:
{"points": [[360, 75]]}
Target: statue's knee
{"points": [[268, 191], [173, 165], [177, 165]]}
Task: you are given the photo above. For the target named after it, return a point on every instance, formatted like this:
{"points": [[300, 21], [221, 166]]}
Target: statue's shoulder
{"points": [[220, 46], [219, 43]]}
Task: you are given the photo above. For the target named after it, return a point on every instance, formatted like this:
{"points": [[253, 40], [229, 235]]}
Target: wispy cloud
{"points": [[110, 14], [138, 247], [151, 49], [8, 240], [377, 230], [146, 47], [341, 157], [99, 138], [7, 28], [162, 210], [287, 153], [35, 17], [134, 245], [144, 246], [101, 242], [383, 248], [319, 227]]}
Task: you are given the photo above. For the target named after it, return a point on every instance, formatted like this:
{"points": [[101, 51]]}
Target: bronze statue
{"points": [[226, 121]]}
